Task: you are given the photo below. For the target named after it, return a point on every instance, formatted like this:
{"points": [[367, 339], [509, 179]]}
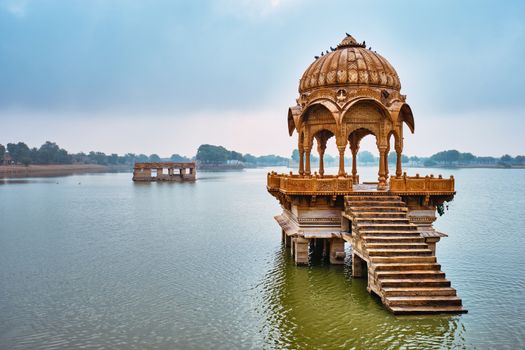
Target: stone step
{"points": [[399, 252], [406, 266], [402, 259], [385, 227], [372, 198], [419, 291], [407, 310], [413, 283], [369, 220], [379, 214], [373, 204], [424, 301], [410, 274], [393, 239], [392, 233], [397, 245], [389, 209]]}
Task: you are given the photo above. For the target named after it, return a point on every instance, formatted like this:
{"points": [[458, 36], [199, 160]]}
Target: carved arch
{"points": [[347, 108], [326, 104], [293, 119]]}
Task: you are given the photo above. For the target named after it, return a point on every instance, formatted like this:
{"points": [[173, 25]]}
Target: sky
{"points": [[163, 77]]}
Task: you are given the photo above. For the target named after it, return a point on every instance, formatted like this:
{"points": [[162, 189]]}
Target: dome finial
{"points": [[349, 41]]}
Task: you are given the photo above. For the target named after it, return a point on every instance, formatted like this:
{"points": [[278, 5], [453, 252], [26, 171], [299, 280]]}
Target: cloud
{"points": [[15, 7]]}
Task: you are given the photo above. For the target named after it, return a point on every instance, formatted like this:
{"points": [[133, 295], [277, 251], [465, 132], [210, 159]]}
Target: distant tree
{"points": [[467, 158], [212, 154], [429, 163], [366, 157], [113, 159], [142, 158], [447, 157], [20, 152], [404, 159], [2, 152], [329, 159], [295, 155], [392, 157], [248, 158], [518, 160], [271, 160], [235, 156], [178, 158], [154, 158], [507, 159], [98, 158]]}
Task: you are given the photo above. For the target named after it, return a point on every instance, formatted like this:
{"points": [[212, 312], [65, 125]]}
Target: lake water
{"points": [[97, 261]]}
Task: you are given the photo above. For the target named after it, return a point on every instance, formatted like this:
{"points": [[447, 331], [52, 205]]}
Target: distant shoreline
{"points": [[17, 171], [14, 171]]}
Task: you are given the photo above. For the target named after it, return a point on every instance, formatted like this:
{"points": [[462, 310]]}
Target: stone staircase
{"points": [[401, 268]]}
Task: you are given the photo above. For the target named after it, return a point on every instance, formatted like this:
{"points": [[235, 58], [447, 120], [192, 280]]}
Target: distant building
{"points": [[7, 160]]}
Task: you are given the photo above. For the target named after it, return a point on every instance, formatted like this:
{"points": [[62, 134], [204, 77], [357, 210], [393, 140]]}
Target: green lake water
{"points": [[99, 262]]}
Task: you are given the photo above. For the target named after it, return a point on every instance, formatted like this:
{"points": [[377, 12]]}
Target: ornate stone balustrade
{"points": [[309, 185], [422, 185]]}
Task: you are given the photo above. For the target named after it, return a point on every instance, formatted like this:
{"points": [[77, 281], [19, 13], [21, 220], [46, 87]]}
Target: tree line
{"points": [[218, 155], [51, 153], [450, 158]]}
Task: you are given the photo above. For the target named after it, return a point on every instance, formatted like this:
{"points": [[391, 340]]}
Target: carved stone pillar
{"points": [[341, 160], [386, 162], [320, 149], [354, 163], [382, 172], [301, 161], [399, 150], [307, 154]]}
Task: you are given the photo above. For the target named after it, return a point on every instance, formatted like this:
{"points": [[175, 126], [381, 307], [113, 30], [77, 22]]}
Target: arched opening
{"points": [[354, 140], [316, 123], [372, 116], [322, 137]]}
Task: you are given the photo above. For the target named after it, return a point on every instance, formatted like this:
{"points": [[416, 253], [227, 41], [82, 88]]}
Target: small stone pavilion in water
{"points": [[346, 95]]}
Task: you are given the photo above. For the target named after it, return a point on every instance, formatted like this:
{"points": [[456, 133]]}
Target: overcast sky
{"points": [[165, 76]]}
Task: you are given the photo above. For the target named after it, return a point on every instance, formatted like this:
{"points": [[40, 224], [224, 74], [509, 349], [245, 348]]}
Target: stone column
{"points": [[341, 160], [357, 266], [354, 150], [399, 151], [307, 154], [301, 161], [337, 251], [301, 251], [386, 162], [382, 173], [320, 149]]}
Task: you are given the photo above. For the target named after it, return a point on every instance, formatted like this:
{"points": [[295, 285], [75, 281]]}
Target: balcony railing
{"points": [[417, 184], [297, 184]]}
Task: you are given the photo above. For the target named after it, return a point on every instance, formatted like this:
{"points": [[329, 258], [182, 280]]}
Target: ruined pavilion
{"points": [[164, 171], [345, 95]]}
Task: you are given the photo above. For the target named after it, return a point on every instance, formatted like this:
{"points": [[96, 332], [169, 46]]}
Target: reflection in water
{"points": [[321, 306]]}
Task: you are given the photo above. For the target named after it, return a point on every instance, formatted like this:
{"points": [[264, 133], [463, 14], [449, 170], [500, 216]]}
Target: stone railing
{"points": [[418, 184], [297, 184]]}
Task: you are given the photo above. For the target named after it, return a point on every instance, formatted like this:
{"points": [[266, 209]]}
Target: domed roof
{"points": [[351, 63]]}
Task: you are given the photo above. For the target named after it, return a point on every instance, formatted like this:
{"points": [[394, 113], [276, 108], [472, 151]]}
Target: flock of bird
{"points": [[333, 49]]}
